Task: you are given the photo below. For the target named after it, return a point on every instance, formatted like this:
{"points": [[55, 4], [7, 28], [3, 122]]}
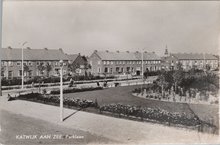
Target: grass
{"points": [[123, 95]]}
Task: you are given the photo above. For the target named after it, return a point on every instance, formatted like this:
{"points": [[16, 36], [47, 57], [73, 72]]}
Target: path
{"points": [[121, 130]]}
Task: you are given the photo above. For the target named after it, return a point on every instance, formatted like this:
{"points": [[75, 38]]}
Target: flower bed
{"points": [[74, 90], [55, 100], [156, 114]]}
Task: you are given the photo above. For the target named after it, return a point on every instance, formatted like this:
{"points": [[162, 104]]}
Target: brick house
{"points": [[77, 63], [113, 63], [190, 60], [33, 59]]}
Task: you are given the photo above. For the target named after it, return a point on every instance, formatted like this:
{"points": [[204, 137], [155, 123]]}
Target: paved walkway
{"points": [[122, 130]]}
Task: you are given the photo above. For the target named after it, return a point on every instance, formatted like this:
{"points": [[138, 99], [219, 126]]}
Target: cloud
{"points": [[83, 26]]}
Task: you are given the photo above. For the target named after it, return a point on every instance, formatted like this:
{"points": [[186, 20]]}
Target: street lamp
{"points": [[61, 90], [1, 7], [142, 70], [22, 65]]}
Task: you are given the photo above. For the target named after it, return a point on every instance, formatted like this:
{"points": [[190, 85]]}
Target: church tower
{"points": [[166, 54]]}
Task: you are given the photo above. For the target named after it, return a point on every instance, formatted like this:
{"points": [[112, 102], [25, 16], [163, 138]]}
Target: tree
{"points": [[48, 68], [87, 66], [26, 69], [41, 68], [207, 67], [178, 75], [146, 73], [162, 81], [73, 67]]}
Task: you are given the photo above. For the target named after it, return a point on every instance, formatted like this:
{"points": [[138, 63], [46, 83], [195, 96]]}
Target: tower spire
{"points": [[166, 52]]}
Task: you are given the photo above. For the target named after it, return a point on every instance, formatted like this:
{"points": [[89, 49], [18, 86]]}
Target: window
{"points": [[82, 66], [110, 70], [107, 62], [99, 69], [25, 63], [30, 73], [2, 73], [30, 63], [123, 62], [128, 69], [122, 69], [99, 62], [18, 63], [117, 69], [104, 62], [20, 73], [133, 62], [106, 70], [10, 63], [10, 74], [112, 62], [5, 63]]}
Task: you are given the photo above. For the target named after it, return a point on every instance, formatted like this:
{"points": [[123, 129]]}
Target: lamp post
{"points": [[1, 7], [61, 90], [22, 65], [142, 69]]}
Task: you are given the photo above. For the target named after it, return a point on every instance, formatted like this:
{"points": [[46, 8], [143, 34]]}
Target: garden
{"points": [[122, 104], [152, 114], [193, 86]]}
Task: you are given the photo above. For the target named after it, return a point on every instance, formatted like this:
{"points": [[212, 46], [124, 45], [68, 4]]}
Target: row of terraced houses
{"points": [[101, 62]]}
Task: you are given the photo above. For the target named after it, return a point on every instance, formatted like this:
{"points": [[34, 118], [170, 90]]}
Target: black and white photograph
{"points": [[109, 72]]}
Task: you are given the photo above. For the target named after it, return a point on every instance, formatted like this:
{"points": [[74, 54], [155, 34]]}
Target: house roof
{"points": [[107, 55], [189, 56], [32, 54], [72, 57]]}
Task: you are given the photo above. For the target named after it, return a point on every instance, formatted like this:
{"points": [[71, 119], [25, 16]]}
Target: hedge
{"points": [[55, 100], [74, 90]]}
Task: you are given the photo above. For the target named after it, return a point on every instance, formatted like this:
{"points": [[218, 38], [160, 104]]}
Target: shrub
{"points": [[74, 90], [69, 102], [156, 114]]}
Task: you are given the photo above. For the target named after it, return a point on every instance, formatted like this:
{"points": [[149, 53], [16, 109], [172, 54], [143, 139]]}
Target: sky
{"points": [[85, 26]]}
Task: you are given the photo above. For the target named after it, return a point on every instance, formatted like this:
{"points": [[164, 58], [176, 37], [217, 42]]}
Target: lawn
{"points": [[124, 95]]}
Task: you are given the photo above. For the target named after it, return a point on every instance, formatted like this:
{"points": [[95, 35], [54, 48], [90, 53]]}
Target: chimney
{"points": [[117, 51], [45, 48], [127, 51], [9, 47], [106, 51], [79, 54], [61, 49], [28, 48], [96, 51]]}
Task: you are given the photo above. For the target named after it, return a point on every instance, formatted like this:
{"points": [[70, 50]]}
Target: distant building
{"points": [[112, 63], [37, 62], [78, 64], [190, 60]]}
